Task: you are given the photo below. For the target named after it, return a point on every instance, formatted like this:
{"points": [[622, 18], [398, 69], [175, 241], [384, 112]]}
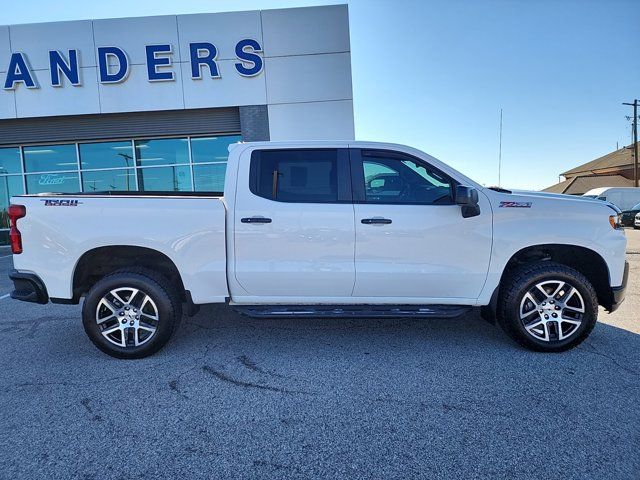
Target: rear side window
{"points": [[302, 176]]}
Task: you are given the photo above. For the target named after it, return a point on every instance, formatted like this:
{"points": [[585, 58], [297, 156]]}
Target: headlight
{"points": [[615, 221]]}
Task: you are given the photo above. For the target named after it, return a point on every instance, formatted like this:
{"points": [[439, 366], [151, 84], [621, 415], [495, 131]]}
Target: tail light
{"points": [[16, 212]]}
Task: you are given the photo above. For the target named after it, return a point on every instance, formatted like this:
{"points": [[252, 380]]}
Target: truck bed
{"points": [[187, 227]]}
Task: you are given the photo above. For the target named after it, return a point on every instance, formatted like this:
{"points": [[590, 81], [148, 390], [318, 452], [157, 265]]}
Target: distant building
{"points": [[615, 169]]}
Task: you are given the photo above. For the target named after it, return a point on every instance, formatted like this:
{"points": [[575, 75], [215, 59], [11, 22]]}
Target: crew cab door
{"points": [[412, 243], [293, 224]]}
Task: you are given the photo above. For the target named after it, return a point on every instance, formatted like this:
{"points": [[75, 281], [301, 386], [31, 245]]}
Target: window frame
{"points": [[357, 157], [343, 174]]}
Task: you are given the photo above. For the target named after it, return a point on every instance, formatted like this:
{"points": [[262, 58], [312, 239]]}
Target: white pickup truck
{"points": [[322, 229]]}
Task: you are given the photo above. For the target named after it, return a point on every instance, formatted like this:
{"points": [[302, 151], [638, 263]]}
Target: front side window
{"points": [[390, 178], [303, 176]]}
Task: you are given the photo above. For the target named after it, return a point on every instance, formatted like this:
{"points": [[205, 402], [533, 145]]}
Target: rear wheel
{"points": [[131, 314], [547, 307]]}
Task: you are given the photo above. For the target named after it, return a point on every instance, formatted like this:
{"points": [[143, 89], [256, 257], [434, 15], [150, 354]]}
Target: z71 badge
{"points": [[515, 204], [61, 203]]}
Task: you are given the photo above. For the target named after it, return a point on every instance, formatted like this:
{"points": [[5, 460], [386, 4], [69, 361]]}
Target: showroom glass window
{"points": [[165, 179], [123, 180], [60, 182], [210, 155], [50, 158], [10, 161], [166, 151], [164, 165], [57, 167], [10, 184], [106, 166], [154, 164], [106, 155]]}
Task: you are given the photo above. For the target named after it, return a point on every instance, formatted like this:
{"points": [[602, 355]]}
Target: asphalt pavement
{"points": [[233, 397]]}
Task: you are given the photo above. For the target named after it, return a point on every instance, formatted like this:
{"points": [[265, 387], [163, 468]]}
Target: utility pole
{"points": [[635, 140]]}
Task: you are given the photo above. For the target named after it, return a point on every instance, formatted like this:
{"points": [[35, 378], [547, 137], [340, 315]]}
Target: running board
{"points": [[352, 311]]}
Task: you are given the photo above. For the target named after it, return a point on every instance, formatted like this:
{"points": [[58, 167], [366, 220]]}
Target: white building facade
{"points": [[152, 103]]}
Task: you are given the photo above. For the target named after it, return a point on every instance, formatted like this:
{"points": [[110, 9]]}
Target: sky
{"points": [[435, 74]]}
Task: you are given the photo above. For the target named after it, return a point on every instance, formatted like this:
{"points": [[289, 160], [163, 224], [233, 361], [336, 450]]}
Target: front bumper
{"points": [[28, 287], [618, 293]]}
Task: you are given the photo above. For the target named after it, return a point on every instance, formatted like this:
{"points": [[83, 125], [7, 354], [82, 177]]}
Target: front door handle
{"points": [[376, 221], [255, 220]]}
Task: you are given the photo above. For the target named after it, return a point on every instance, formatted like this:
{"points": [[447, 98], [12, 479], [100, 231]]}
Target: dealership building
{"points": [[153, 103]]}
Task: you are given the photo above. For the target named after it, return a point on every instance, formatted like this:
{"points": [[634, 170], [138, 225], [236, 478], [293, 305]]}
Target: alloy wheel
{"points": [[552, 310], [127, 317]]}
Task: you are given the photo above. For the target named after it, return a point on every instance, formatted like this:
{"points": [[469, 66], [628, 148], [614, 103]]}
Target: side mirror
{"points": [[467, 198]]}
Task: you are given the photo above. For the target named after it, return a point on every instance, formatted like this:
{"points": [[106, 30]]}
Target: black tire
{"points": [[522, 280], [155, 286]]}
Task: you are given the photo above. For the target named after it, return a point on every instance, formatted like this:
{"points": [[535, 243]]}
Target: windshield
{"points": [[635, 207]]}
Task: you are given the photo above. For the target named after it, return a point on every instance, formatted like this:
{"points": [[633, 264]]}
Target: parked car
{"points": [[628, 216], [636, 224], [622, 197], [322, 229]]}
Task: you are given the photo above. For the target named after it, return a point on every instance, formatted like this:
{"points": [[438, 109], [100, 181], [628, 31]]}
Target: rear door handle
{"points": [[255, 220], [376, 221]]}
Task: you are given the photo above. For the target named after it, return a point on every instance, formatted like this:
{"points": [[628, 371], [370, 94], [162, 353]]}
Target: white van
{"points": [[622, 197]]}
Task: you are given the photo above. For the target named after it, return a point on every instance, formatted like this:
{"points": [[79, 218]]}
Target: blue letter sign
{"points": [[203, 54], [153, 62], [106, 76], [113, 64], [58, 65], [248, 57], [18, 71]]}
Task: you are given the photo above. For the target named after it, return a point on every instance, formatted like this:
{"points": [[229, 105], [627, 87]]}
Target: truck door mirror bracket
{"points": [[467, 198]]}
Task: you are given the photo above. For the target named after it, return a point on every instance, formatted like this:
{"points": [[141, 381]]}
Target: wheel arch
{"points": [[582, 259], [94, 264]]}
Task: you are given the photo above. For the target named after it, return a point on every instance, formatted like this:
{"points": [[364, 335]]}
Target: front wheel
{"points": [[547, 307], [131, 314]]}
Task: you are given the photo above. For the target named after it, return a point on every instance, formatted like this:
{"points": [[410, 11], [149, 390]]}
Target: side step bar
{"points": [[351, 311]]}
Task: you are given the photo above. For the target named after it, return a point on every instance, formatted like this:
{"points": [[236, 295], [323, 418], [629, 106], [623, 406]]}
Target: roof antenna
{"points": [[500, 154]]}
